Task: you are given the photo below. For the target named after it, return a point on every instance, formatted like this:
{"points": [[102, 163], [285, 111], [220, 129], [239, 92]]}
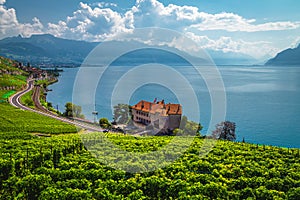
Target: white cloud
{"points": [[106, 4], [8, 19], [96, 22], [231, 22], [28, 29], [296, 42], [2, 2], [92, 23], [9, 24], [227, 44], [154, 13]]}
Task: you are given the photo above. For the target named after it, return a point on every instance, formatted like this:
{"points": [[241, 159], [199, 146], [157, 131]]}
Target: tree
{"points": [[225, 131], [188, 127], [178, 131], [122, 113], [29, 102], [72, 110], [104, 123]]}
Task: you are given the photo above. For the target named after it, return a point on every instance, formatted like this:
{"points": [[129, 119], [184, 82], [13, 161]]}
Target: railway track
{"points": [[36, 100]]}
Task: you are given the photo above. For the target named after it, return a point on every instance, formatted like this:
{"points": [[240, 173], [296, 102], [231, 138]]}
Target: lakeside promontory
{"points": [[287, 57]]}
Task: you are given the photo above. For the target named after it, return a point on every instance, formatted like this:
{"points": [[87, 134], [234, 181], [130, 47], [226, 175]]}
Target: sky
{"points": [[258, 28]]}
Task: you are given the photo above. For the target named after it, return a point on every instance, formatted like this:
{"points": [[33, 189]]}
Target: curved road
{"points": [[15, 101]]}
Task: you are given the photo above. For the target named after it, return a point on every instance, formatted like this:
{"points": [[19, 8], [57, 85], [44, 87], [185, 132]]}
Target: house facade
{"points": [[158, 114]]}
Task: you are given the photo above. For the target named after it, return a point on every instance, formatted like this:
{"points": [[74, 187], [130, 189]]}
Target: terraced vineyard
{"points": [[16, 81], [10, 76]]}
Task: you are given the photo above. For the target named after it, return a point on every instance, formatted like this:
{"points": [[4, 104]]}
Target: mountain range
{"points": [[45, 49], [49, 50]]}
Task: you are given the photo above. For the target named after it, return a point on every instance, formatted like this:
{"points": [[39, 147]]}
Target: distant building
{"points": [[161, 116]]}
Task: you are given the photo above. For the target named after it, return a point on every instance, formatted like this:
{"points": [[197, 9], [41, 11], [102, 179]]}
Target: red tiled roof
{"points": [[173, 109], [142, 106], [149, 107]]}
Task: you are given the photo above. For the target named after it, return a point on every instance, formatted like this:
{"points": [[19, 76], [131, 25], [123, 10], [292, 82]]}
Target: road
{"points": [[15, 101]]}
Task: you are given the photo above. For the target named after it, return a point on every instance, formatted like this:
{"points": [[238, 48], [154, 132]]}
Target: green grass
{"points": [[8, 94], [26, 99], [5, 94], [13, 119]]}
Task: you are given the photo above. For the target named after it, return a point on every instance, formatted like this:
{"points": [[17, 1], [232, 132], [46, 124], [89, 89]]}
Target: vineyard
{"points": [[60, 167]]}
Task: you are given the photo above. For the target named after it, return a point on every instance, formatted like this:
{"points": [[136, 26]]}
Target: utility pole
{"points": [[95, 113]]}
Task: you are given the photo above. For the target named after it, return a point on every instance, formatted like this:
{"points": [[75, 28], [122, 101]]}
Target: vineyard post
{"points": [[26, 162], [77, 146], [42, 157]]}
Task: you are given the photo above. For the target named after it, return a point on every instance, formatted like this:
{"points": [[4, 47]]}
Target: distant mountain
{"points": [[231, 58], [49, 50], [286, 57], [145, 54], [45, 49]]}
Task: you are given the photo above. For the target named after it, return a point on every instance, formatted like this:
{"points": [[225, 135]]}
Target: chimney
{"points": [[178, 108]]}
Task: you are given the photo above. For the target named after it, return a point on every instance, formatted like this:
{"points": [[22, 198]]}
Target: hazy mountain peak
{"points": [[289, 56]]}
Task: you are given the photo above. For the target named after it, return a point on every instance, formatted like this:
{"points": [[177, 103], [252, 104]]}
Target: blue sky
{"points": [[259, 28]]}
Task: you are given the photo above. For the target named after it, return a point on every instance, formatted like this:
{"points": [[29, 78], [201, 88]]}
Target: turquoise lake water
{"points": [[264, 102]]}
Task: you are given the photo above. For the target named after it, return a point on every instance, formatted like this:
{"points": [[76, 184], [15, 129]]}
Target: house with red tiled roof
{"points": [[160, 115]]}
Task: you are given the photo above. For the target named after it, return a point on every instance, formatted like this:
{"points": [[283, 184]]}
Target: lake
{"points": [[264, 102]]}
